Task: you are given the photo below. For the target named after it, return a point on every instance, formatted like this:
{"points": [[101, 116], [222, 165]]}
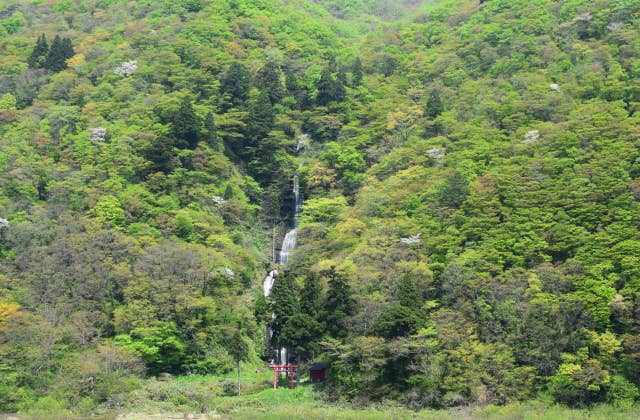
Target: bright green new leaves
{"points": [[159, 345], [109, 211]]}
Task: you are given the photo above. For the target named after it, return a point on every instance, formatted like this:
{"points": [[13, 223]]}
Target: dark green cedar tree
{"points": [[327, 88], [357, 73], [339, 304], [61, 50], [269, 79], [38, 56], [283, 304], [235, 84], [185, 126]]}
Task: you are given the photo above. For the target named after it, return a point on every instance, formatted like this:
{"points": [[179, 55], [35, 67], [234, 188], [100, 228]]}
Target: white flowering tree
{"points": [[126, 69]]}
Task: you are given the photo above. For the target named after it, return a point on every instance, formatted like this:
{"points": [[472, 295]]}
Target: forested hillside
{"points": [[471, 175]]}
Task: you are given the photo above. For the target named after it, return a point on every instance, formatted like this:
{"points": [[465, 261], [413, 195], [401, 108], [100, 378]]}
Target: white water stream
{"points": [[288, 245]]}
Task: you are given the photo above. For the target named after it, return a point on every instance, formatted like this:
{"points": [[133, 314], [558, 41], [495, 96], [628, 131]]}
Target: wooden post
{"points": [[275, 379], [238, 377]]}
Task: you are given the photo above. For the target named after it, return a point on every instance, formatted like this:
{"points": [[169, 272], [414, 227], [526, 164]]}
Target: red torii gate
{"points": [[288, 369]]}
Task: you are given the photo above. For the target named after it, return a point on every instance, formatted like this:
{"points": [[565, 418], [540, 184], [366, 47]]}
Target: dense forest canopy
{"points": [[471, 174]]}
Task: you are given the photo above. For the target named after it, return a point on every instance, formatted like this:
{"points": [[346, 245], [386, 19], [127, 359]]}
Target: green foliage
{"points": [[407, 293], [160, 346], [269, 80], [7, 102], [211, 133], [284, 305], [471, 172], [109, 211], [323, 209], [185, 126], [301, 332], [434, 107], [236, 84], [348, 163], [397, 321], [38, 56], [311, 295], [47, 407], [357, 73], [56, 58], [261, 117], [622, 393], [339, 303]]}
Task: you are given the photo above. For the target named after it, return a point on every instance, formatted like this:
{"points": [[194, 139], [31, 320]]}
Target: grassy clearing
{"points": [[213, 396], [305, 403], [260, 409], [193, 393]]}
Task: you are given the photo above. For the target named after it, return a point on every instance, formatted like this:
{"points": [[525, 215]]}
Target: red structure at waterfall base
{"points": [[288, 369]]}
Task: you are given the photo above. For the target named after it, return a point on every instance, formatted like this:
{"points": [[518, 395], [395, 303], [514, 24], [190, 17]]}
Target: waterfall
{"points": [[269, 281], [288, 245], [303, 141], [298, 200], [290, 239]]}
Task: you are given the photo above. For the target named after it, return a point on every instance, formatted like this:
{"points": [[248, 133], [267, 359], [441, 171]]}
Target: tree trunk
{"points": [[238, 377]]}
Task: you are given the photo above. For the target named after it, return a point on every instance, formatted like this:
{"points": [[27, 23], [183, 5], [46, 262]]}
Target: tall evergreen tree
{"points": [[341, 84], [357, 73], [294, 89], [397, 321], [301, 332], [236, 83], [211, 132], [284, 304], [339, 304], [269, 80], [407, 293], [160, 155], [61, 50], [310, 295], [291, 83], [67, 49], [38, 56], [332, 64], [185, 126], [454, 191], [261, 117], [434, 106], [326, 88]]}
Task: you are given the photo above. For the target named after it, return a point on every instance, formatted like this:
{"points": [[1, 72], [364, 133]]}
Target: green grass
{"points": [[214, 395], [306, 403]]}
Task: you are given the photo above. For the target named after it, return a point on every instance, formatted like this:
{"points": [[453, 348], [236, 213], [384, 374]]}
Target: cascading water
{"points": [[268, 282], [289, 242], [288, 245]]}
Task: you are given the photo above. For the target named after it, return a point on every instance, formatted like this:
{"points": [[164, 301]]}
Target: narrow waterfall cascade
{"points": [[269, 281], [303, 141], [288, 245], [289, 242]]}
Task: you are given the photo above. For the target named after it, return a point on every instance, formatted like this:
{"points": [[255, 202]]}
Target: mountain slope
{"points": [[471, 181], [503, 182]]}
